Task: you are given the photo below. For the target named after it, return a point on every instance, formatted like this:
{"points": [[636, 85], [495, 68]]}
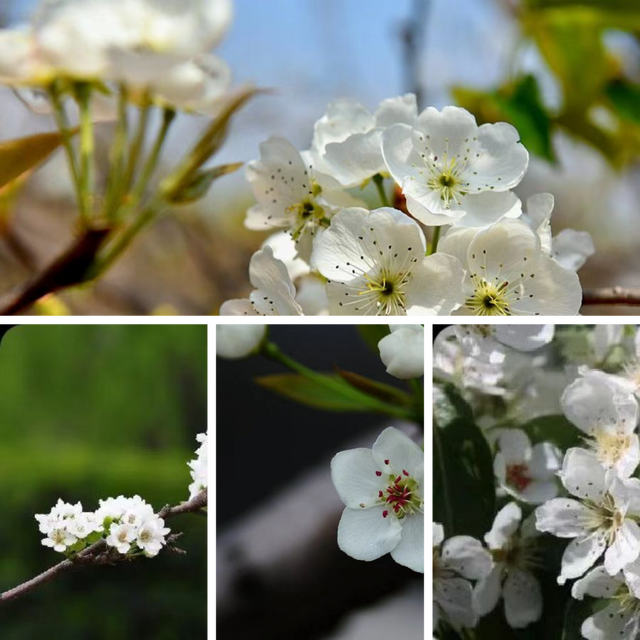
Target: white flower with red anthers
{"points": [[452, 171], [383, 490], [526, 472], [291, 195], [507, 274], [376, 265]]}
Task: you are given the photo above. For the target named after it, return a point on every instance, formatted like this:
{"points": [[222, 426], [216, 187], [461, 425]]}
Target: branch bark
{"points": [[611, 296], [97, 553]]}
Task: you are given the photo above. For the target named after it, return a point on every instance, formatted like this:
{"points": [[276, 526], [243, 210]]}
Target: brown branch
{"points": [[612, 295], [99, 554]]}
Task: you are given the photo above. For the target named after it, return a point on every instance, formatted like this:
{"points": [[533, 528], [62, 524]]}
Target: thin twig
{"points": [[98, 553], [413, 39], [612, 295]]}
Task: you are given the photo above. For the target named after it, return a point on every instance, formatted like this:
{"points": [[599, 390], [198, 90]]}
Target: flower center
{"points": [[401, 496], [489, 299], [145, 536], [122, 536], [608, 517], [385, 290], [611, 447], [518, 476], [446, 180], [305, 214]]}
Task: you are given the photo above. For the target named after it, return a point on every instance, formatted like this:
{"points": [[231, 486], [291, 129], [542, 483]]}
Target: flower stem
{"points": [[114, 190], [87, 147], [137, 144], [379, 182], [434, 242]]}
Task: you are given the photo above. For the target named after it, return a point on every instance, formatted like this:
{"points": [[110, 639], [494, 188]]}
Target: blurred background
{"points": [[90, 412], [280, 573], [566, 73]]}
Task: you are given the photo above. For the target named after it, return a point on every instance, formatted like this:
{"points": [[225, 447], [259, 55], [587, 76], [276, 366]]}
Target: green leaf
{"points": [[196, 186], [625, 99], [576, 612], [19, 156], [372, 334], [555, 429], [463, 480], [326, 392], [376, 389]]}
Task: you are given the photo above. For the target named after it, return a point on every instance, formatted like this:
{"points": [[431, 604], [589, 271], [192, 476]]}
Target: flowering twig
{"points": [[612, 295], [99, 554]]}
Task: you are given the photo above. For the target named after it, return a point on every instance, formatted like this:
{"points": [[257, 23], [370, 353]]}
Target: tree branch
{"points": [[98, 553], [612, 295]]}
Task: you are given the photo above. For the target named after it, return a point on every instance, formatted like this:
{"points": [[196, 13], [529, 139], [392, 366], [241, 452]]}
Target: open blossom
{"points": [[234, 341], [456, 562], [383, 491], [452, 171], [199, 467], [274, 295], [507, 274], [121, 536], [512, 549], [150, 536], [347, 140], [376, 265], [402, 351], [600, 519]]}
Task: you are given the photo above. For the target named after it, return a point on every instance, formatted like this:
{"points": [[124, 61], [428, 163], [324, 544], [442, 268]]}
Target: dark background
{"points": [[262, 434]]}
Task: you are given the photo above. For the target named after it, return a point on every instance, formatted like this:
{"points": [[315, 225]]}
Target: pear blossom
{"points": [[402, 351], [507, 274], [199, 467], [452, 171], [291, 195], [523, 471], [603, 408], [347, 139], [150, 537], [620, 618], [312, 295], [383, 492], [235, 341], [274, 293], [59, 539], [456, 562], [121, 536], [375, 263], [513, 552], [600, 519]]}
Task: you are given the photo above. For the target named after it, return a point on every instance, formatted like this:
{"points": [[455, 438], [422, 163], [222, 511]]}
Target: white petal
{"points": [[522, 599], [571, 248], [563, 517], [401, 452], [450, 131], [356, 159], [485, 208], [402, 109], [366, 535], [344, 117], [436, 286], [506, 523], [611, 622], [409, 552], [514, 445], [597, 584], [545, 461], [539, 209], [467, 557], [437, 534], [455, 597], [487, 592], [524, 337], [580, 555], [538, 492], [625, 548], [353, 473], [582, 475]]}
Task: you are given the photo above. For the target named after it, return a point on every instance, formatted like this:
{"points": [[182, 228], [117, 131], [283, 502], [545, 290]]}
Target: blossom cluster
{"points": [[159, 50], [580, 486], [128, 525], [351, 217], [199, 466]]}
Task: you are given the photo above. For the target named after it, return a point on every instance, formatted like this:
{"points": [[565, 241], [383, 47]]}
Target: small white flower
{"points": [[376, 265], [347, 139], [113, 508], [274, 293], [383, 490], [150, 536], [601, 520], [84, 525], [456, 561], [234, 341], [59, 539], [121, 537], [621, 617], [511, 577], [198, 467], [602, 407], [507, 274], [524, 471], [402, 351], [452, 171]]}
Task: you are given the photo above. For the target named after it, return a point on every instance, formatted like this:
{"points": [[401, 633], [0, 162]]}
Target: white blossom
{"points": [[235, 341], [402, 351], [199, 467]]}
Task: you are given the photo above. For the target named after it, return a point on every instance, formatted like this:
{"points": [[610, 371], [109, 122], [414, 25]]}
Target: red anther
{"points": [[405, 473], [385, 513], [378, 473], [380, 494], [386, 462], [396, 508], [398, 479]]}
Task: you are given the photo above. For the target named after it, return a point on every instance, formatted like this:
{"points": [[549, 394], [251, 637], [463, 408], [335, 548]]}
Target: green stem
{"points": [[379, 182], [434, 242], [137, 144], [272, 351], [87, 147], [65, 131], [438, 465], [114, 189]]}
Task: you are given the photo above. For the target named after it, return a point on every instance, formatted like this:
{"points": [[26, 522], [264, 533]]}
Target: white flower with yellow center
{"points": [[506, 273], [291, 195], [602, 520], [601, 406], [383, 491], [452, 171], [121, 537], [375, 263]]}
